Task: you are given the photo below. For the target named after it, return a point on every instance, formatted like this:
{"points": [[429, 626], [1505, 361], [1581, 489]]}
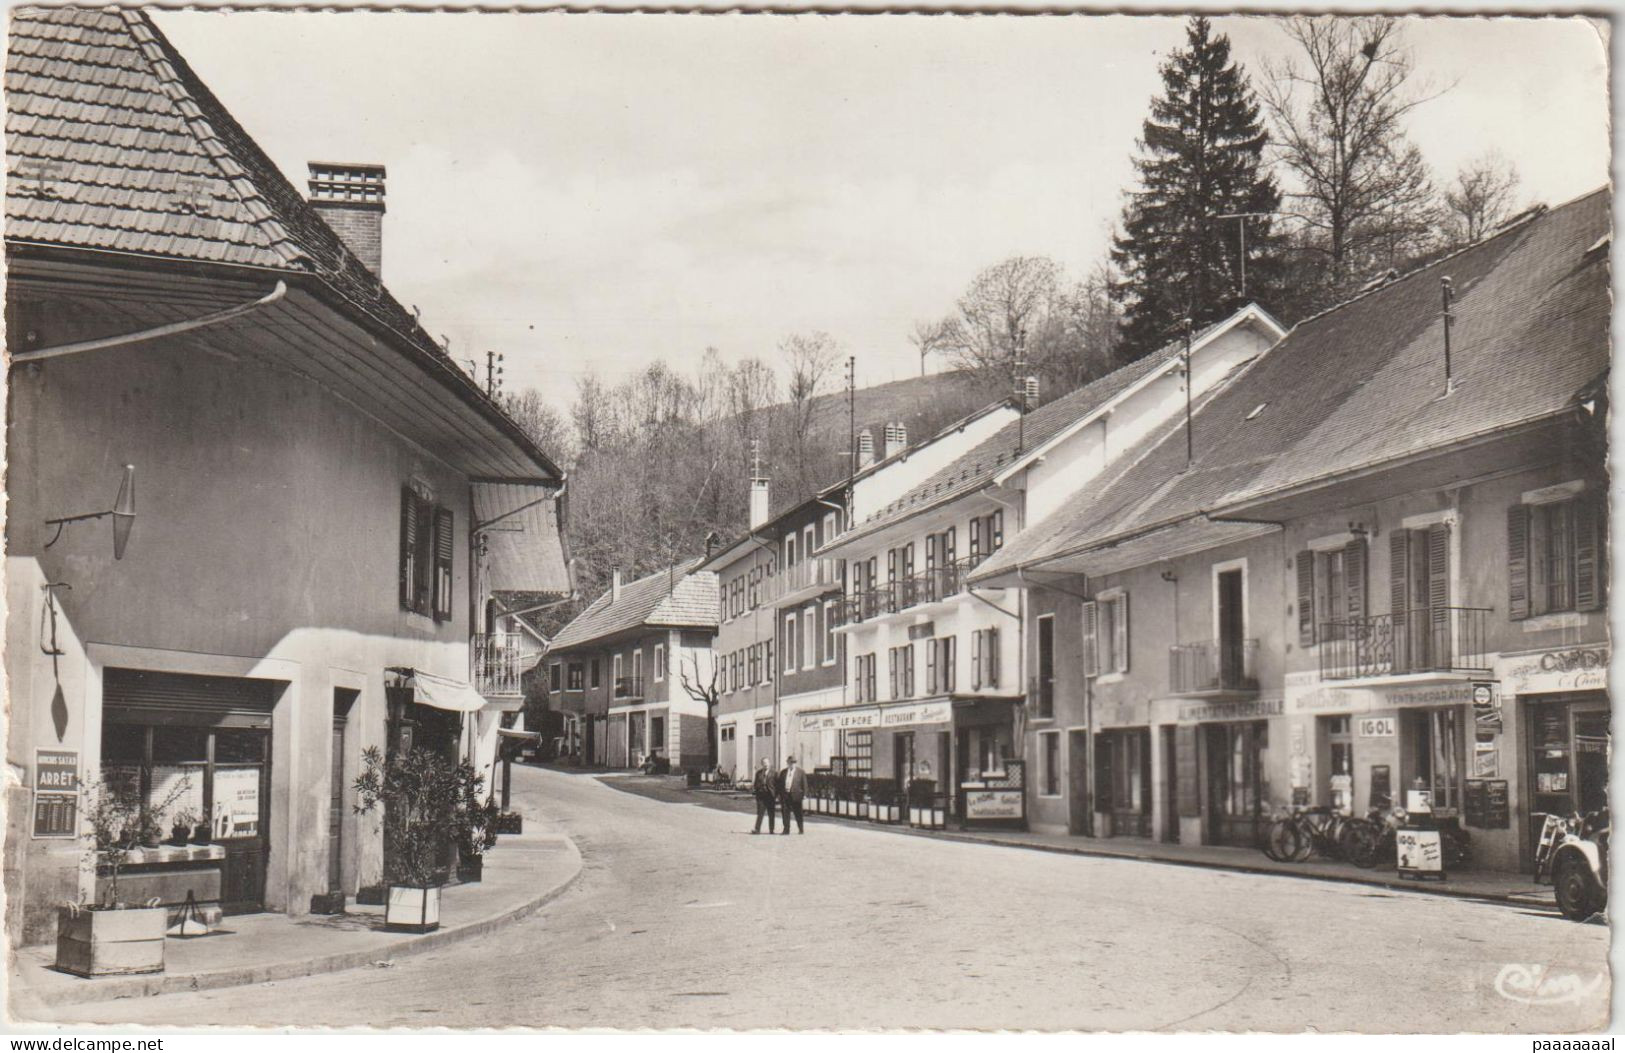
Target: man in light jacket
{"points": [[762, 786], [792, 786]]}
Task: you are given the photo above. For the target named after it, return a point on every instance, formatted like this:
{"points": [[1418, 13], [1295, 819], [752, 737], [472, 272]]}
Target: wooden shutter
{"points": [[949, 552], [1518, 562], [1588, 577], [409, 546], [931, 551], [976, 660], [891, 565], [1354, 583], [891, 669], [950, 658], [931, 666], [1438, 568], [992, 658], [975, 538], [998, 531], [1091, 648], [1306, 598], [1399, 574], [443, 549], [1120, 631]]}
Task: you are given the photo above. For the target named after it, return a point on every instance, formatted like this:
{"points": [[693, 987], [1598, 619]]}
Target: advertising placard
{"points": [[1420, 851], [995, 805], [56, 793]]}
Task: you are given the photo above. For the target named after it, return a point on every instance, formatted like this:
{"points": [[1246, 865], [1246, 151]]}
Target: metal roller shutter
{"points": [[136, 696]]}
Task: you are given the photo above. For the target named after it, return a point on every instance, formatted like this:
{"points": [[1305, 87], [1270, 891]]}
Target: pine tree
{"points": [[1200, 158]]}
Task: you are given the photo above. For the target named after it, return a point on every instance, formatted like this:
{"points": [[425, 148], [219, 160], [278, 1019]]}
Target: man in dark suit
{"points": [[792, 787], [764, 787]]}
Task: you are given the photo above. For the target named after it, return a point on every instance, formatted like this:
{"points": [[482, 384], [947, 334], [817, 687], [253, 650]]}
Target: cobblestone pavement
{"points": [[683, 920]]}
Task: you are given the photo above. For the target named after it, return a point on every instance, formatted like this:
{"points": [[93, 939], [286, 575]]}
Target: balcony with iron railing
{"points": [[1214, 669], [1447, 641], [496, 664], [629, 687], [931, 586]]}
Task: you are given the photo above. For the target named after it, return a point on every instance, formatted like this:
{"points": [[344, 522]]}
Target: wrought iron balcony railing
{"points": [[1418, 640], [938, 583], [1213, 667], [629, 687], [497, 664]]}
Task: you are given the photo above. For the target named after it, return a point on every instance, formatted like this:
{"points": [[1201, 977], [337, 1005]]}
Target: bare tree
{"points": [[931, 338], [703, 687], [1481, 197], [1338, 112], [810, 363], [545, 425], [1003, 306]]}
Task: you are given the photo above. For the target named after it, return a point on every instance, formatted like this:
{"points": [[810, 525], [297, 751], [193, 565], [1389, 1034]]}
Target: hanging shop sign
{"points": [[1247, 709], [1569, 669], [56, 793]]}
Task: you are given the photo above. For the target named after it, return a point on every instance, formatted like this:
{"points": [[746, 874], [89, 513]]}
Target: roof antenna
{"points": [[1448, 292], [1190, 451]]}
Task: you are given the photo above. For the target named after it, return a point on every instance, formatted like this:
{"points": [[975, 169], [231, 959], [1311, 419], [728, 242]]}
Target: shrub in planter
{"points": [[423, 797], [109, 937]]}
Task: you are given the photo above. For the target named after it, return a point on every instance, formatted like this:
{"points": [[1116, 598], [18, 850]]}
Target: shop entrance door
{"points": [[1077, 767], [239, 762], [335, 809], [1235, 782]]}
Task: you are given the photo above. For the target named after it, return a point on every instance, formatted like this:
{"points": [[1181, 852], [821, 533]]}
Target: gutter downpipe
{"points": [[168, 329]]}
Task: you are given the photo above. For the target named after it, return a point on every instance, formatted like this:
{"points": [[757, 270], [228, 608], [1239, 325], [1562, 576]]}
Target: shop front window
{"points": [[1438, 758]]}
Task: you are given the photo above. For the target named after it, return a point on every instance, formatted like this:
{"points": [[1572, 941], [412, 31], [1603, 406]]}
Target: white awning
{"points": [[454, 696]]}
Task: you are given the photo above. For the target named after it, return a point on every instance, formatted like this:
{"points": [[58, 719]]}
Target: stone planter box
{"points": [[111, 942], [412, 909]]}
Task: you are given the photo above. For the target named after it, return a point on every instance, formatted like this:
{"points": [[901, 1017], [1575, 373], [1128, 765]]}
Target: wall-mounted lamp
{"points": [[1169, 576], [1358, 529], [123, 513]]}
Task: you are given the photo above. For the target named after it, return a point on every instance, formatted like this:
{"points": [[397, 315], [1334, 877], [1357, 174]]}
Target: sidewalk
{"points": [[522, 873], [1488, 885]]}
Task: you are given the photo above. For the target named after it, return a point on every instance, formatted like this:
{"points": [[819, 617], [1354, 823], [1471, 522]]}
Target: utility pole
{"points": [[1448, 292], [493, 373], [1020, 388], [1190, 450]]}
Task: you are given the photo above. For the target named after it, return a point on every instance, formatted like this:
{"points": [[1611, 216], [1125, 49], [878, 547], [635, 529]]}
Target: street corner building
{"points": [[258, 520], [1367, 570], [635, 672]]}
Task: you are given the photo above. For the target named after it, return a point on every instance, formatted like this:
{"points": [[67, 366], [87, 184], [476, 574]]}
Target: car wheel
{"points": [[1578, 896]]}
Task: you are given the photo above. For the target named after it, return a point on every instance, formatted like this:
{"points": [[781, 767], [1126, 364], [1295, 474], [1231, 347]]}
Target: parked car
{"points": [[1573, 856]]}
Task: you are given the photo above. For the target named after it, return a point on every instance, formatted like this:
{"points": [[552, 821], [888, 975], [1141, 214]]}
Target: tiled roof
{"points": [[1361, 384], [114, 144], [681, 598], [977, 467]]}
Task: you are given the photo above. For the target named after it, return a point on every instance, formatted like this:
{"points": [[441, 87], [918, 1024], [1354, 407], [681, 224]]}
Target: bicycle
{"points": [[1297, 833]]}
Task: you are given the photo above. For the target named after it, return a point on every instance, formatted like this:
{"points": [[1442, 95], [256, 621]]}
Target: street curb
{"points": [[1427, 888], [1358, 877], [161, 984]]}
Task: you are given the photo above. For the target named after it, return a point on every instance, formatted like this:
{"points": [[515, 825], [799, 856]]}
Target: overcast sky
{"points": [[600, 191]]}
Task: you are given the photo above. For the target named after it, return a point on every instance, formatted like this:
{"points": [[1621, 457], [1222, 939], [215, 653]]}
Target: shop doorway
{"points": [[1569, 747], [1077, 767], [1235, 754], [1123, 780], [342, 701], [1436, 757], [1338, 762], [1170, 784]]}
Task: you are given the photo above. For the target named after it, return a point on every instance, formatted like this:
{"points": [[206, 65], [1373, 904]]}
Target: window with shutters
{"points": [[594, 671], [660, 661], [830, 646], [1555, 557], [427, 545], [1105, 634], [1331, 592], [575, 676], [555, 677], [809, 637], [789, 643], [1045, 699]]}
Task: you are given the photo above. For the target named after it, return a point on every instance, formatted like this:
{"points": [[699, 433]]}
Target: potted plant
{"points": [[180, 826], [107, 936], [474, 825], [420, 792]]}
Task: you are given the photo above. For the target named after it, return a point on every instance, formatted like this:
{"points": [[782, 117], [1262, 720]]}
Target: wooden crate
{"points": [[111, 942]]}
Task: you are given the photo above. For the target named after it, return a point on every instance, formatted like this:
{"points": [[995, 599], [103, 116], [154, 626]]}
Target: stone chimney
{"points": [[866, 448], [615, 588], [350, 197], [896, 439]]}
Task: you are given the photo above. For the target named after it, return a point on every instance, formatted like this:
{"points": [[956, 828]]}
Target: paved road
{"points": [[681, 919]]}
